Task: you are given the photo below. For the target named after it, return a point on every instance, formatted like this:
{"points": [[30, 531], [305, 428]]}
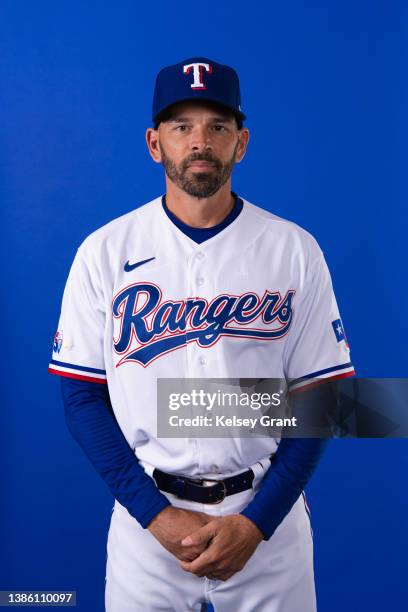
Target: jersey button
{"points": [[200, 281], [199, 255], [203, 360]]}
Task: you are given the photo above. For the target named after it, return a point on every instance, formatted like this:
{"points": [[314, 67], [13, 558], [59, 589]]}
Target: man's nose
{"points": [[200, 139]]}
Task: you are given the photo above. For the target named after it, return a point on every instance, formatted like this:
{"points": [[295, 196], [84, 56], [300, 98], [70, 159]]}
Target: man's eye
{"points": [[181, 128], [219, 128]]}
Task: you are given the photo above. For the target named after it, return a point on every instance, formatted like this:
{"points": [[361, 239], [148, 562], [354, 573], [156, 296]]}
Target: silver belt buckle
{"points": [[212, 482]]}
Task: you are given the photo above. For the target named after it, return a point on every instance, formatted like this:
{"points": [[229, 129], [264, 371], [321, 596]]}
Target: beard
{"points": [[198, 184]]}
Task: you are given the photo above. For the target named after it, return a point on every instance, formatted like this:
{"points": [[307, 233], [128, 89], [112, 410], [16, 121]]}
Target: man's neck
{"points": [[199, 212]]}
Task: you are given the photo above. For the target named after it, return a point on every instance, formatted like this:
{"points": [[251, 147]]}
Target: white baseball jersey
{"points": [[144, 301]]}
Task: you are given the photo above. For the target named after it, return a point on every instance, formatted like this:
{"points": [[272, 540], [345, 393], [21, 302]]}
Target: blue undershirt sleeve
{"points": [[296, 458], [292, 467], [90, 419]]}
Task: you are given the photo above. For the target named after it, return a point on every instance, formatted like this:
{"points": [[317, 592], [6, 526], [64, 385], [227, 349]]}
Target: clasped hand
{"points": [[216, 547]]}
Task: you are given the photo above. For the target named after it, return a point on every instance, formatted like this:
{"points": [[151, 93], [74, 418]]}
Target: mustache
{"points": [[206, 157]]}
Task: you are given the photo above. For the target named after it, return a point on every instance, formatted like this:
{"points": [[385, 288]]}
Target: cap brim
{"points": [[239, 114]]}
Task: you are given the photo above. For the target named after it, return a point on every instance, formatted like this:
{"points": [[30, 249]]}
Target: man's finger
{"points": [[188, 556], [201, 536], [203, 564]]}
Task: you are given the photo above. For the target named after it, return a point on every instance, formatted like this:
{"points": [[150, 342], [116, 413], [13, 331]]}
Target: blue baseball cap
{"points": [[197, 78]]}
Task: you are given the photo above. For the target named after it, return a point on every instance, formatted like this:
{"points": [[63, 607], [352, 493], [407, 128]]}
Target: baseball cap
{"points": [[197, 78]]}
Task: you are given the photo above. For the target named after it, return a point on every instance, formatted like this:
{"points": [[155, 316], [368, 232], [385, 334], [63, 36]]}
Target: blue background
{"points": [[325, 90]]}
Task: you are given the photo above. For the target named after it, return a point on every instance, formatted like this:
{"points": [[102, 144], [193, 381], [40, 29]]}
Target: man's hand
{"points": [[172, 524], [227, 543]]}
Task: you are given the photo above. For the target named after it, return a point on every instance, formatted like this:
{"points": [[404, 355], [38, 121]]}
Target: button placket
{"points": [[199, 286]]}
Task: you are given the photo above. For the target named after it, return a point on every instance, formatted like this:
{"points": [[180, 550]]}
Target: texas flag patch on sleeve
{"points": [[339, 331]]}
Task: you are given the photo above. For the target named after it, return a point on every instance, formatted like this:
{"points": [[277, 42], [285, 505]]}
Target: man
{"points": [[198, 284]]}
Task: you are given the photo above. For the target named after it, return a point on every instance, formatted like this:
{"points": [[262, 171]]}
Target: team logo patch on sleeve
{"points": [[58, 339], [339, 331]]}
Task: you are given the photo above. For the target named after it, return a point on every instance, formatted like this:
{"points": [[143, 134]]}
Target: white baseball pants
{"points": [[142, 576]]}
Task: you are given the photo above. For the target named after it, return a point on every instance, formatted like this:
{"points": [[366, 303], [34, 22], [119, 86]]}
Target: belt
{"points": [[203, 490]]}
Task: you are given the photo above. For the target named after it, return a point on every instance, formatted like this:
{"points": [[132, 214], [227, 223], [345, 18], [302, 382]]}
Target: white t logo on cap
{"points": [[197, 73]]}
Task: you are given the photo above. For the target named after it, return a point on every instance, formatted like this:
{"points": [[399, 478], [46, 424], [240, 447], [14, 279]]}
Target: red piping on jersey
{"points": [[321, 381], [101, 381]]}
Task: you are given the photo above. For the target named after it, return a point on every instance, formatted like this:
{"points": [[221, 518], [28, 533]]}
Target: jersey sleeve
{"points": [[79, 341], [317, 347]]}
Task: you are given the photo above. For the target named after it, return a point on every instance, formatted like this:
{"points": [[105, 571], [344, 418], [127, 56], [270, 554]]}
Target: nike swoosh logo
{"points": [[129, 267]]}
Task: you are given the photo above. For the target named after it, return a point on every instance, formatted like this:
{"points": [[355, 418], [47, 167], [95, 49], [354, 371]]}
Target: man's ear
{"points": [[243, 143], [152, 141]]}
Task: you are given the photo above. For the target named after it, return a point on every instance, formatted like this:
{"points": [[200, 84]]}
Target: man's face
{"points": [[198, 147]]}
